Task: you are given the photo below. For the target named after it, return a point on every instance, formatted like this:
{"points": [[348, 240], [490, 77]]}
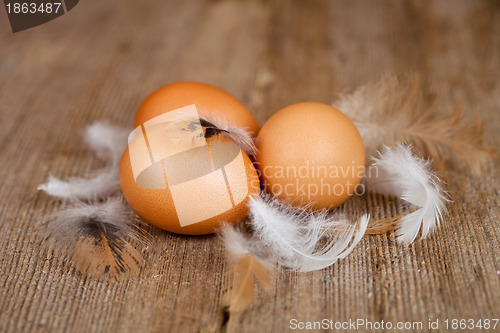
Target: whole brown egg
{"points": [[207, 98], [180, 175], [310, 154]]}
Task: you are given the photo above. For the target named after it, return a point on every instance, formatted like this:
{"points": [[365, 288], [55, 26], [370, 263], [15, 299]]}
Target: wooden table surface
{"points": [[102, 58]]}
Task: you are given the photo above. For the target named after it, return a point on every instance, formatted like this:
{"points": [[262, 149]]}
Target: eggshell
{"points": [[208, 98], [183, 180], [310, 153]]}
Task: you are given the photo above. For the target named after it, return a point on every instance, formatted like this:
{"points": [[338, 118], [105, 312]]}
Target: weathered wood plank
{"points": [[101, 59]]}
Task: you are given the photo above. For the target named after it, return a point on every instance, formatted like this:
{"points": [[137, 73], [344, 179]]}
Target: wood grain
{"points": [[101, 59]]}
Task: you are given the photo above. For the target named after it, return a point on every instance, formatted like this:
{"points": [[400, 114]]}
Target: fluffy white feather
{"points": [[397, 171], [235, 241], [296, 236], [241, 136], [238, 242], [108, 142]]}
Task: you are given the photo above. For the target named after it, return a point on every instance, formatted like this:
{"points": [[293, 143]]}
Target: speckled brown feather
{"points": [[97, 238]]}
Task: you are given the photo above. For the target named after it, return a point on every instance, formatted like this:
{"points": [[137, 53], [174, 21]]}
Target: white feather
{"points": [[295, 236], [240, 135], [66, 225], [235, 241], [397, 171], [108, 142], [239, 243]]}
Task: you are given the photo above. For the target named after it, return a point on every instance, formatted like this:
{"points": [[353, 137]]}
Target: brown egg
{"points": [[310, 153], [183, 178], [207, 98]]}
